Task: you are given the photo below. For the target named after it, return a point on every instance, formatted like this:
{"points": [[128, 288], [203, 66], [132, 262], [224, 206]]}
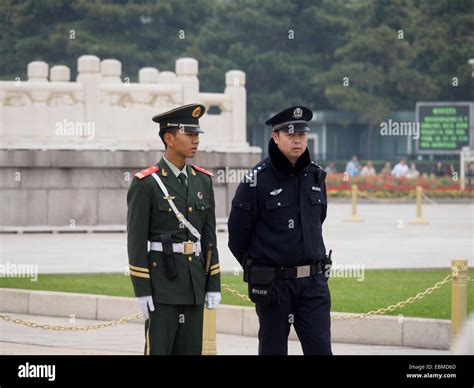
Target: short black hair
{"points": [[173, 131]]}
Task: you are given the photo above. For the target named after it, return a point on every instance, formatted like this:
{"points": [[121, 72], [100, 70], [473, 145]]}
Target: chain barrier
{"points": [[380, 311]]}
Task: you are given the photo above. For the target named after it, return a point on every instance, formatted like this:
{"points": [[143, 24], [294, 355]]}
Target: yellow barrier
{"points": [[419, 219], [354, 217], [209, 347], [459, 282]]}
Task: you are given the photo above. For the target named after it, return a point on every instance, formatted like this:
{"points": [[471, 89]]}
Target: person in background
{"points": [[387, 169], [449, 170], [368, 169], [438, 169], [401, 169], [331, 168], [470, 174], [352, 166], [413, 173]]}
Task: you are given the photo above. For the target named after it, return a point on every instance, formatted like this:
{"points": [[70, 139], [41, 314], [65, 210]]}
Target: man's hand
{"points": [[146, 302], [212, 300]]}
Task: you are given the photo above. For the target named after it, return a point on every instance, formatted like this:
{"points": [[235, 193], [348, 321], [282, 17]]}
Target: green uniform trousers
{"points": [[174, 330]]}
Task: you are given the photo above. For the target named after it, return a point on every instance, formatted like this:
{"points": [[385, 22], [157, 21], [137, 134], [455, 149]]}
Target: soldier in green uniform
{"points": [[171, 208]]}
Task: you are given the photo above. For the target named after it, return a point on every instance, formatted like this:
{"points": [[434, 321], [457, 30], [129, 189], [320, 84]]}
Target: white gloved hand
{"points": [[212, 300], [146, 302]]}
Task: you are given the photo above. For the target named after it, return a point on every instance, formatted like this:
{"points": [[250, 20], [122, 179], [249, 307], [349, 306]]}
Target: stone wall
{"points": [[73, 188]]}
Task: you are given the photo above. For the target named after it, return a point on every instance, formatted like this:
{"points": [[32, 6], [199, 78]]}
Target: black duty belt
{"points": [[303, 271]]}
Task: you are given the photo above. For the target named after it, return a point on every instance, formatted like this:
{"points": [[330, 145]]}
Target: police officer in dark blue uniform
{"points": [[275, 232]]}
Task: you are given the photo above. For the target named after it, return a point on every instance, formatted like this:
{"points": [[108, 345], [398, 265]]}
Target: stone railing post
{"points": [[186, 72], [88, 67], [235, 88]]}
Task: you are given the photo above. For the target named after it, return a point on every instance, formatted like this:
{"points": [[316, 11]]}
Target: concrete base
{"points": [[238, 320], [76, 189]]}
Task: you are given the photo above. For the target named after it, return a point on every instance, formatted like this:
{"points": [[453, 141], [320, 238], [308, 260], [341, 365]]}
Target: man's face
{"points": [[183, 143], [292, 145]]}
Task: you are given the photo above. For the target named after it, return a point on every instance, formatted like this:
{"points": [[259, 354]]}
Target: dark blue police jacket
{"points": [[278, 212]]}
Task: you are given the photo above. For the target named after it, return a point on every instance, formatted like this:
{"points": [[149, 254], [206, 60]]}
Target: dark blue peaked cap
{"points": [[295, 117]]}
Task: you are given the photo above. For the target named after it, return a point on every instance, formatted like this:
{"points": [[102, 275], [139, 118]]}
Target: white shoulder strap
{"points": [[178, 214]]}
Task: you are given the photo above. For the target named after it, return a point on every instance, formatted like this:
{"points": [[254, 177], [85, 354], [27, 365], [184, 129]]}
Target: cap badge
{"points": [[196, 112], [297, 113]]}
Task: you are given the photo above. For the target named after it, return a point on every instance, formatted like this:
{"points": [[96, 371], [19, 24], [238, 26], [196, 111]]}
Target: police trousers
{"points": [[303, 302]]}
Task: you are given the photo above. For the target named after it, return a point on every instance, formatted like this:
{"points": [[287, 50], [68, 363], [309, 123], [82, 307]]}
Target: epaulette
{"points": [[147, 171], [200, 169], [321, 172], [256, 170]]}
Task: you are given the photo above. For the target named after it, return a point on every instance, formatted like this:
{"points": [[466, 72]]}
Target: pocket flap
{"points": [[276, 203], [241, 204], [262, 275], [202, 205], [318, 199]]}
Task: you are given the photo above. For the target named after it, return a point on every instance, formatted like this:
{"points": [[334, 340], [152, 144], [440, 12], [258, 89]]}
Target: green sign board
{"points": [[443, 127]]}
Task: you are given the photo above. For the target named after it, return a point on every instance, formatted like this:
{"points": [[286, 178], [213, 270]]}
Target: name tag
{"points": [[315, 188]]}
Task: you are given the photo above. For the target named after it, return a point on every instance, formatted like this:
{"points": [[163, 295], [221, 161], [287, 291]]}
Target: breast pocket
{"points": [[202, 205], [164, 215], [202, 208], [163, 206], [280, 212], [317, 201]]}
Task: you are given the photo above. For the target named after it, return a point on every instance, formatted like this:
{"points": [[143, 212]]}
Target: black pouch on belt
{"points": [[248, 262], [262, 284], [169, 257]]}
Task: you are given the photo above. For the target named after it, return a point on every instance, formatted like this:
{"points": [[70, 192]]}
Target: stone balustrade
{"points": [[102, 109]]}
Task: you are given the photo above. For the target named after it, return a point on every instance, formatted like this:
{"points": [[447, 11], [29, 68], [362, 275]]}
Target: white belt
{"points": [[187, 247]]}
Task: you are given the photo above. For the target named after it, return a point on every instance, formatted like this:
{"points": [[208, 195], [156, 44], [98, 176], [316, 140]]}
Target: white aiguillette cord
{"points": [[177, 213]]}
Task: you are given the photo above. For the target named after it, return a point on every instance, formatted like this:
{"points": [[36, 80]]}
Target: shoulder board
{"points": [[321, 172], [200, 169], [256, 169], [147, 171]]}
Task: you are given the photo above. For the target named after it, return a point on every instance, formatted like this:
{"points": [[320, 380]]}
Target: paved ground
{"points": [[383, 240], [129, 339]]}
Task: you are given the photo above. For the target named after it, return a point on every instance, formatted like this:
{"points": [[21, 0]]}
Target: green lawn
{"points": [[380, 288]]}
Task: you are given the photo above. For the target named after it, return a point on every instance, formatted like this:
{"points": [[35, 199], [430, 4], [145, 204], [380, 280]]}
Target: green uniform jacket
{"points": [[149, 216]]}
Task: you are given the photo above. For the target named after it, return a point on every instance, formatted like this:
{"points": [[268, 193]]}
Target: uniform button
{"points": [[279, 204], [190, 209], [169, 210], [153, 264], [305, 174], [190, 258], [202, 208], [319, 200]]}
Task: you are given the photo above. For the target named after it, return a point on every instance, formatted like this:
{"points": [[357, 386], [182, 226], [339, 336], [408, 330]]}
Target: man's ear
{"points": [[275, 137], [169, 139]]}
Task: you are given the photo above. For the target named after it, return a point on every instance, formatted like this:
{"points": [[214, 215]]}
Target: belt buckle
{"points": [[303, 272], [188, 247]]}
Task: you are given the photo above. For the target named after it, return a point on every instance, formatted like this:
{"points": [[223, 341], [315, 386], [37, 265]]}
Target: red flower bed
{"points": [[384, 183]]}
